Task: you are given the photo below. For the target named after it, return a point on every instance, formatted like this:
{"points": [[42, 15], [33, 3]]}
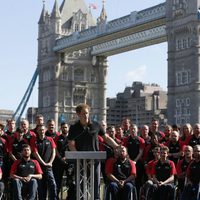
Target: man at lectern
{"points": [[83, 136]]}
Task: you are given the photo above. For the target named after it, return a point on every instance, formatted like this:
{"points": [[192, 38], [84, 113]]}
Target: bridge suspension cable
{"points": [[20, 109]]}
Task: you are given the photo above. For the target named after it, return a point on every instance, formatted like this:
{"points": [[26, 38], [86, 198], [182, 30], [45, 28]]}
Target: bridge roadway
{"points": [[136, 30]]}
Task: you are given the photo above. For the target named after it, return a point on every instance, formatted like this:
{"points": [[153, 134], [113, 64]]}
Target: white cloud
{"points": [[137, 74]]}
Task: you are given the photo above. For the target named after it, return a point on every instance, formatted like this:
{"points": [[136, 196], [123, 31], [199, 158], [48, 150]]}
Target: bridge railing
{"points": [[134, 19]]}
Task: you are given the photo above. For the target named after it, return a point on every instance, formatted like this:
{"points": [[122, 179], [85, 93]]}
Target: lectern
{"points": [[85, 161]]}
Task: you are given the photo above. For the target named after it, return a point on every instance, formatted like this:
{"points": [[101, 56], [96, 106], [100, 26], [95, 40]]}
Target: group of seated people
{"points": [[161, 165], [147, 164]]}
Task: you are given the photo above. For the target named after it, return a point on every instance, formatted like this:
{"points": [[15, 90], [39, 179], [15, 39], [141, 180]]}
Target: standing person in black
{"points": [[83, 136], [62, 163]]}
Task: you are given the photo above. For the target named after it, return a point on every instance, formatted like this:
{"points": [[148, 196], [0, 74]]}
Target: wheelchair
{"points": [[148, 195], [108, 195]]}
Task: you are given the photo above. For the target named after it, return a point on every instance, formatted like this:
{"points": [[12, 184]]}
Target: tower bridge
{"points": [[73, 50], [139, 29]]}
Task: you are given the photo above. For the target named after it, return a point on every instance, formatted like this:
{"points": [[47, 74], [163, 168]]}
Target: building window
{"points": [[78, 75], [184, 44], [188, 101], [178, 47], [76, 27], [182, 112], [188, 42], [82, 27], [78, 99], [64, 76], [93, 78], [178, 78], [177, 102], [46, 101], [182, 77], [67, 101], [46, 75]]}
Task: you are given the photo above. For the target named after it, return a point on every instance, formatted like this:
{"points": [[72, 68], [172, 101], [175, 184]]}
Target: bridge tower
{"points": [[183, 32], [67, 79]]}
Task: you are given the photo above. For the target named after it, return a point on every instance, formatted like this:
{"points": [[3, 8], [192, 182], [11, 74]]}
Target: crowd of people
{"points": [[142, 162]]}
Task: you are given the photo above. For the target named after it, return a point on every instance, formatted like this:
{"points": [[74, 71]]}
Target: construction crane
{"points": [[20, 109]]}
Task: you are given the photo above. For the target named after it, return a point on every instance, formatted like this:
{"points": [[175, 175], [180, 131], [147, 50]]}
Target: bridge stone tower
{"points": [[183, 32], [67, 79]]}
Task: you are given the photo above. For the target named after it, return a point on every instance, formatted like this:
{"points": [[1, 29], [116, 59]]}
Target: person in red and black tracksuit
{"points": [[194, 139], [2, 186], [39, 120], [186, 132], [121, 173], [148, 151], [27, 134], [8, 135], [154, 130], [135, 147], [10, 129], [168, 131], [3, 147], [148, 187], [175, 147], [192, 190], [145, 134], [44, 150], [163, 172], [109, 150], [16, 145], [182, 166], [24, 173], [126, 123], [51, 132], [3, 154], [119, 132]]}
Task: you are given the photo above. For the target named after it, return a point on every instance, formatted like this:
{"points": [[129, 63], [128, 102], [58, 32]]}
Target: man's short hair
{"points": [[164, 148], [39, 116], [50, 120], [156, 149], [41, 125], [26, 146], [64, 123], [81, 107], [19, 130]]}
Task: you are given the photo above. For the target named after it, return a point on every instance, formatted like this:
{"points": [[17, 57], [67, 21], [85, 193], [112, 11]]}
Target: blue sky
{"points": [[19, 29]]}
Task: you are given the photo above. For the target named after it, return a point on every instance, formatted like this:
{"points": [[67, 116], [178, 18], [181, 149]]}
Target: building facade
{"points": [[139, 103], [67, 79], [5, 114], [183, 30]]}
